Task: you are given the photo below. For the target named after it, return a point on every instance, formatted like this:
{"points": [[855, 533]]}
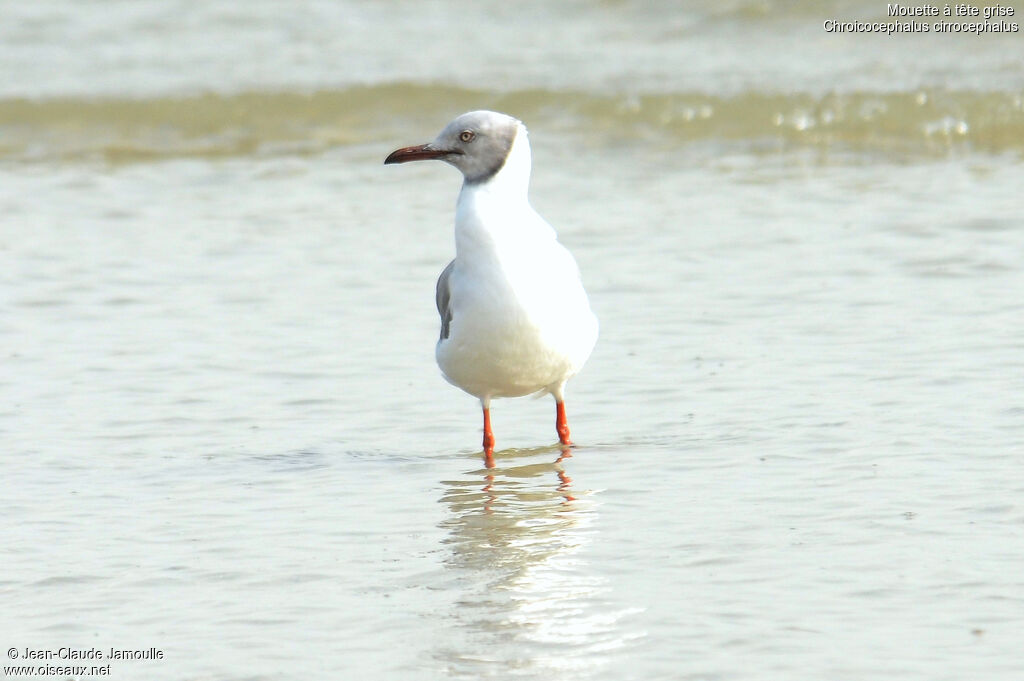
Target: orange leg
{"points": [[562, 424], [488, 439]]}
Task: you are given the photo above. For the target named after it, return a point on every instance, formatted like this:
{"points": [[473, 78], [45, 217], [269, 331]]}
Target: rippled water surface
{"points": [[225, 436]]}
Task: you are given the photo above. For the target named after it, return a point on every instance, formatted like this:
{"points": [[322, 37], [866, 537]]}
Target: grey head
{"points": [[477, 143]]}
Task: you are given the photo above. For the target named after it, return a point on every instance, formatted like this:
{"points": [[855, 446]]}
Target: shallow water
{"points": [[226, 437]]}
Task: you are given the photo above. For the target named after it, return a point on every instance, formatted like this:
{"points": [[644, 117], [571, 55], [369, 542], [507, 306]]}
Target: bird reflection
{"points": [[491, 495], [563, 477], [528, 599]]}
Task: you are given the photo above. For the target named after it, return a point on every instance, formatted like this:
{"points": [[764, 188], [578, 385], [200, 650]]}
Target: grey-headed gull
{"points": [[515, 318]]}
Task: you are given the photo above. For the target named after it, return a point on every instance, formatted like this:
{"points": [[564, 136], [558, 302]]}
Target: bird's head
{"points": [[478, 143]]}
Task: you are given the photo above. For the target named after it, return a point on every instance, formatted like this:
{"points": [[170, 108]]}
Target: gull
{"points": [[515, 319]]}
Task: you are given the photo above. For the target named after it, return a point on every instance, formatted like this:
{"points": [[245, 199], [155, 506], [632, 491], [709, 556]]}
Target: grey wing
{"points": [[443, 297]]}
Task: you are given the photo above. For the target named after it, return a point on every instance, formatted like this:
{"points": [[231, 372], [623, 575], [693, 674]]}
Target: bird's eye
{"points": [[467, 135]]}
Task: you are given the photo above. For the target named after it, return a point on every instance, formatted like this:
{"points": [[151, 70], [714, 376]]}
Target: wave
{"points": [[927, 121]]}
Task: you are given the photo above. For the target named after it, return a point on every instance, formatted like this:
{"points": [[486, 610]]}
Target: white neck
{"points": [[498, 211]]}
